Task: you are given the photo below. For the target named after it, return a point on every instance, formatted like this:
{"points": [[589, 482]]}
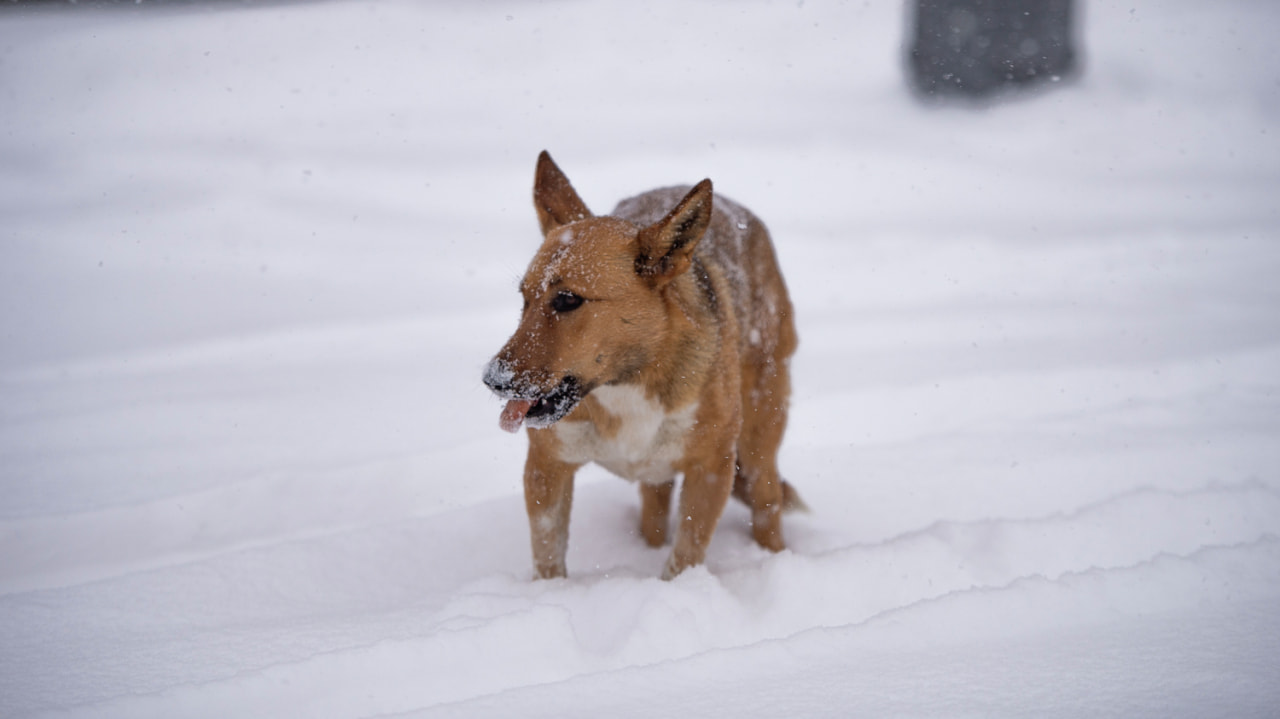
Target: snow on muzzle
{"points": [[525, 404]]}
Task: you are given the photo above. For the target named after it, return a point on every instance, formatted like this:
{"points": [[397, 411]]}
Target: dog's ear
{"points": [[554, 198], [666, 247]]}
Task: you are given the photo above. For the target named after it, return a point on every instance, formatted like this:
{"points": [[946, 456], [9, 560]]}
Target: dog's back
{"points": [[737, 242]]}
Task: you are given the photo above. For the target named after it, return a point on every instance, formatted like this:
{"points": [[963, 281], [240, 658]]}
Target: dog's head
{"points": [[594, 300]]}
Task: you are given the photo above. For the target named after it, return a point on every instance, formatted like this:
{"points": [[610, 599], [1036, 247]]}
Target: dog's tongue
{"points": [[513, 414]]}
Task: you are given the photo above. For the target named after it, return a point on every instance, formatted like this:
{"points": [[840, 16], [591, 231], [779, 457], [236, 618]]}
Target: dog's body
{"points": [[654, 342]]}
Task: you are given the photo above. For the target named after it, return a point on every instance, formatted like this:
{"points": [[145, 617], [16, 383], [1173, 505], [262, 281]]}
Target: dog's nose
{"points": [[498, 376]]}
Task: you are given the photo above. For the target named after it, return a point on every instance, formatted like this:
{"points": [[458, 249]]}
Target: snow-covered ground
{"points": [[255, 257]]}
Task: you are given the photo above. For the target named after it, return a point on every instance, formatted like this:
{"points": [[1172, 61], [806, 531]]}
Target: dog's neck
{"points": [[699, 332]]}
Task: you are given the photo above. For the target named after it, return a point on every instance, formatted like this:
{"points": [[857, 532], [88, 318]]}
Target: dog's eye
{"points": [[566, 302]]}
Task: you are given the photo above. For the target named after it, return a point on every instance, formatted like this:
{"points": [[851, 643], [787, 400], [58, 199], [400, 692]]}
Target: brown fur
{"points": [[655, 342]]}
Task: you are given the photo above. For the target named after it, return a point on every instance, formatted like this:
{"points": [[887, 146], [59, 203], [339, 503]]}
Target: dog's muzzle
{"points": [[525, 403]]}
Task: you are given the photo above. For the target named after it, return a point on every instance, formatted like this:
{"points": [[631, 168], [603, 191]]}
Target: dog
{"points": [[656, 342]]}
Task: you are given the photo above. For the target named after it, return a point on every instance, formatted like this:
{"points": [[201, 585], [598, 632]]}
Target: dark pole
{"points": [[976, 47]]}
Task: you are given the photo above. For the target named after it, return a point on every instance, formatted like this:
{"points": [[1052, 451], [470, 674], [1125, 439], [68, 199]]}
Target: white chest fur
{"points": [[648, 441]]}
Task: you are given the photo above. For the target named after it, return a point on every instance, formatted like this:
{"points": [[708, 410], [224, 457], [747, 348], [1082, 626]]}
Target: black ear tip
{"points": [[547, 171], [545, 163], [699, 193]]}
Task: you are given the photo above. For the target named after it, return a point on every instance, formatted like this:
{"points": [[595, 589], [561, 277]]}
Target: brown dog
{"points": [[654, 342]]}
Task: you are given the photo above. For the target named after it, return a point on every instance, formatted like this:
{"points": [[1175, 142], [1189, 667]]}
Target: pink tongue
{"points": [[513, 414]]}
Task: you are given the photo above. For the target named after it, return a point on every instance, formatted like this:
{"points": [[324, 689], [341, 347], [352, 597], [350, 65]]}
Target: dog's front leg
{"points": [[703, 496], [548, 497]]}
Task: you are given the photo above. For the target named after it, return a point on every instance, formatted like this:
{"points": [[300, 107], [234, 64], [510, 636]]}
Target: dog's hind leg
{"points": [[655, 510], [766, 388]]}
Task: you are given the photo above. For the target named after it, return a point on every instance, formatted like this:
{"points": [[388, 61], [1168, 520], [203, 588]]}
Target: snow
{"points": [[257, 256]]}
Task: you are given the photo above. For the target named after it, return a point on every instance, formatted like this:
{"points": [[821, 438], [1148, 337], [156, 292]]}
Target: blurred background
{"points": [[243, 153]]}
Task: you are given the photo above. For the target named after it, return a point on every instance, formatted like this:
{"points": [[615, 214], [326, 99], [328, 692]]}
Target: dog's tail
{"points": [[791, 501]]}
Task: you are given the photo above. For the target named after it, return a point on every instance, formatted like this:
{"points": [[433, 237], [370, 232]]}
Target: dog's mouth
{"points": [[544, 411]]}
